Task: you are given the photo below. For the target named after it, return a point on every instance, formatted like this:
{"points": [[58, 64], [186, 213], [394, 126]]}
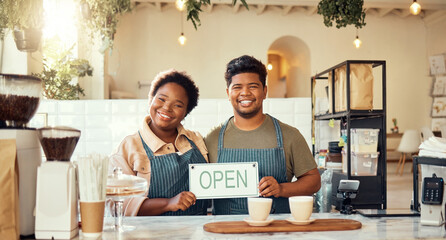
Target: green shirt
{"points": [[299, 159]]}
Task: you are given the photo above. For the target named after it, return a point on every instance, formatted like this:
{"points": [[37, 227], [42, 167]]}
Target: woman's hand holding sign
{"points": [[182, 201]]}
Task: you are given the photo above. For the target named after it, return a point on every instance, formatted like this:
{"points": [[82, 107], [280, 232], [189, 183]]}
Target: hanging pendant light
{"points": [[269, 66], [357, 42], [180, 4], [182, 39], [415, 8]]}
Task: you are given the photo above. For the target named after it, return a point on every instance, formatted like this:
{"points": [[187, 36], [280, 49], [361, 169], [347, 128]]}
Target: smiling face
{"points": [[246, 94], [168, 108]]}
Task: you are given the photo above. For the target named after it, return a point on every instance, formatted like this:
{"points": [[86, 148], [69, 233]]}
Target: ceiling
{"points": [[432, 10]]}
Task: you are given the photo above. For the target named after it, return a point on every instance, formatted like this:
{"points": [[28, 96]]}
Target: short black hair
{"points": [[245, 64], [180, 78]]}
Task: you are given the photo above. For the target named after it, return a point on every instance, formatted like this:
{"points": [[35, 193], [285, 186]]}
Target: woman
{"points": [[162, 149]]}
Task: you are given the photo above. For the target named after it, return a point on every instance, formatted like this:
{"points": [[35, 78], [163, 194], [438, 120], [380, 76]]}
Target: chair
{"points": [[443, 130], [409, 144], [426, 133]]}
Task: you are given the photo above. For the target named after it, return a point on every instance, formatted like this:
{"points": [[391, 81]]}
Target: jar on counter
{"points": [[321, 158]]}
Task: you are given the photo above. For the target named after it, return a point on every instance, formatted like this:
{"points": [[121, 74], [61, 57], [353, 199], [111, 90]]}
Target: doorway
{"points": [[289, 68]]}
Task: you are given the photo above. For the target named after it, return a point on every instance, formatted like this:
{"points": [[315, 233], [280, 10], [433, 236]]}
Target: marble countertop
{"points": [[191, 227]]}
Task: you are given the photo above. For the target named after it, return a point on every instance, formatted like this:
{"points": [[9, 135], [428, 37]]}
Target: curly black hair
{"points": [[245, 64], [180, 78]]}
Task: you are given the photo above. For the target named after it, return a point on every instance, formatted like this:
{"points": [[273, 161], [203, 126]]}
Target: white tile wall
{"points": [[104, 123]]}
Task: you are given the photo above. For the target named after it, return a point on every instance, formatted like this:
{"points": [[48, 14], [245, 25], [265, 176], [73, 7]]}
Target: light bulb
{"points": [[415, 8], [357, 42], [269, 66], [182, 39], [180, 4]]}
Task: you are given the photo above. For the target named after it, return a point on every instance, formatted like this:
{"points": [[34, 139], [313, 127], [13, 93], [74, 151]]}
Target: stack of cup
{"points": [[92, 176], [301, 208]]}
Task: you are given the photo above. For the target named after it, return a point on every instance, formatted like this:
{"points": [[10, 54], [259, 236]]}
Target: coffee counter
{"points": [[191, 227]]}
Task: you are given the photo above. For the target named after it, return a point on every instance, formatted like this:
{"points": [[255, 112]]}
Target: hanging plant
{"points": [[21, 14], [102, 17], [25, 19], [193, 8], [342, 12]]}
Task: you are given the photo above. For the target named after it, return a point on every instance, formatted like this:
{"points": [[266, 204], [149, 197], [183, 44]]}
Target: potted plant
{"points": [[60, 68], [25, 19], [342, 12], [102, 17]]}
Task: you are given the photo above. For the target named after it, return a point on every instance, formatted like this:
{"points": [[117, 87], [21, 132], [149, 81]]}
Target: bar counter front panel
{"points": [[191, 227]]}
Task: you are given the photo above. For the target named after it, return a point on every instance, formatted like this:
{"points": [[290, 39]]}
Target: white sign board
{"points": [[224, 180]]}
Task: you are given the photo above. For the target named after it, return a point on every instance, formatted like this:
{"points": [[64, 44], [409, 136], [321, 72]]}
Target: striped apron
{"points": [[170, 176], [271, 162]]}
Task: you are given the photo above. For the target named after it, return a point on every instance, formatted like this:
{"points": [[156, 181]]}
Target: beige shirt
{"points": [[132, 158]]}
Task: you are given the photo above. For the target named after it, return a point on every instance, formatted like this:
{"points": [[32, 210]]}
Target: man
{"points": [[252, 136]]}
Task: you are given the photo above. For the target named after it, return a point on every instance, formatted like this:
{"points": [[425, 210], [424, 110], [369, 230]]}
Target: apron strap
{"points": [[149, 152], [279, 136], [221, 134]]}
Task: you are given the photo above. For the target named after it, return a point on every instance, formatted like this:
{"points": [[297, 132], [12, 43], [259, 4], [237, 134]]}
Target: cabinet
{"points": [[372, 189]]}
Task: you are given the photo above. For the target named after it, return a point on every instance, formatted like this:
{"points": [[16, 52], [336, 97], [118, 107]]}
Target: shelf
{"points": [[375, 63], [352, 114], [373, 189]]}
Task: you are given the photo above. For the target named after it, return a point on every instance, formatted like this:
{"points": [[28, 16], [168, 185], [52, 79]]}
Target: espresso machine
{"points": [[19, 100], [56, 200], [433, 195]]}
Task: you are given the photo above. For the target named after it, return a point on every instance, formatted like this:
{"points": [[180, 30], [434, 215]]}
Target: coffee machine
{"points": [[56, 201], [433, 195], [19, 100]]}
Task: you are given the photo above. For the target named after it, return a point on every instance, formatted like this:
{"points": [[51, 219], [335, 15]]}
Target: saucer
{"points": [[295, 222], [258, 223]]}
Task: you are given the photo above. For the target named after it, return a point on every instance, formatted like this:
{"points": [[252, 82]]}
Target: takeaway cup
{"points": [[92, 218], [259, 208], [301, 207], [92, 176]]}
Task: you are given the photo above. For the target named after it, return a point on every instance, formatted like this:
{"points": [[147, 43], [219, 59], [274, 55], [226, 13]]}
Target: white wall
{"points": [[105, 123], [17, 62], [146, 43]]}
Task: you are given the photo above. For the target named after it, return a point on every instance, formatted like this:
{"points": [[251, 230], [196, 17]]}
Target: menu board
{"points": [[437, 64]]}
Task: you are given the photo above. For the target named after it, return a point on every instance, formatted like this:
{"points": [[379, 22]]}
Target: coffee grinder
{"points": [[56, 203], [433, 195], [19, 100]]}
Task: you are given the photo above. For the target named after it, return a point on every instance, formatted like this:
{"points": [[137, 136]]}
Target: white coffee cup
{"points": [[259, 208], [301, 207]]}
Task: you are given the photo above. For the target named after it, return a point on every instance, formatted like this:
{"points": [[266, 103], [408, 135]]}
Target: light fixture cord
{"points": [[182, 22]]}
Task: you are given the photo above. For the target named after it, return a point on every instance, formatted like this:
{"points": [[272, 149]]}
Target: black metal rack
{"points": [[372, 189]]}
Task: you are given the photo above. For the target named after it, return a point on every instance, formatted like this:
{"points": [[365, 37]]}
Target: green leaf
{"points": [[60, 69], [342, 12], [193, 8]]}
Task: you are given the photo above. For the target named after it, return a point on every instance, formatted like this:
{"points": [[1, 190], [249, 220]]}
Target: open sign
{"points": [[224, 180]]}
